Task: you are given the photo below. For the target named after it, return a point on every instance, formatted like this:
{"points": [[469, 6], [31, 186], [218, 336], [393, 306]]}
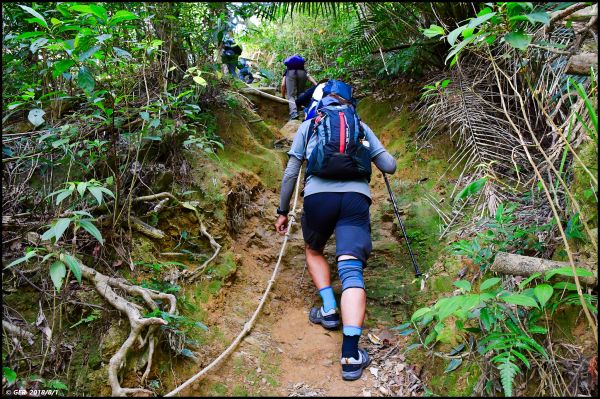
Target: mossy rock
{"points": [[111, 340], [142, 249], [459, 382]]}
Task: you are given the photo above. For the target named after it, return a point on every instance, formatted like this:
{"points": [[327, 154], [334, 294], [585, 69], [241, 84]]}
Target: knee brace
{"points": [[350, 272]]}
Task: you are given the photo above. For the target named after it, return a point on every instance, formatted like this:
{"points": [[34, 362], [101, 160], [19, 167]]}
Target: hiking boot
{"points": [[329, 320], [352, 368]]}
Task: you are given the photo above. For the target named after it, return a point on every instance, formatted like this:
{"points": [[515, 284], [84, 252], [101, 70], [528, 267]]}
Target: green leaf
{"points": [[567, 271], [519, 299], [81, 188], [60, 197], [60, 227], [484, 11], [145, 116], [543, 292], [56, 384], [36, 116], [103, 37], [122, 53], [573, 230], [508, 371], [433, 31], [107, 191], [490, 282], [27, 35], [35, 46], [463, 284], [528, 280], [120, 16], [9, 374], [199, 80], [96, 192], [73, 264], [475, 22], [537, 330], [38, 17], [87, 54], [454, 363], [589, 105], [22, 259], [485, 318], [62, 66], [85, 80], [401, 326], [564, 285], [82, 9], [419, 313], [452, 36], [99, 11], [90, 228], [472, 188], [58, 271], [540, 16], [518, 40]]}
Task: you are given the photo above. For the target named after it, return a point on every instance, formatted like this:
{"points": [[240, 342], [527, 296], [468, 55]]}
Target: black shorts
{"points": [[345, 213]]}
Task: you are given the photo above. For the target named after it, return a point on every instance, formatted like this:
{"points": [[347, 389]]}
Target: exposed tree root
{"points": [[194, 274], [191, 275], [105, 286], [17, 331], [146, 229]]}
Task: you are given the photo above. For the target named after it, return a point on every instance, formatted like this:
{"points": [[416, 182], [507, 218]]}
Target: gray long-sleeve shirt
{"points": [[314, 184]]}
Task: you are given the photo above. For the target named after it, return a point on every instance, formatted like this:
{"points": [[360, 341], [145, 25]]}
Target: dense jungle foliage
{"points": [[132, 161]]}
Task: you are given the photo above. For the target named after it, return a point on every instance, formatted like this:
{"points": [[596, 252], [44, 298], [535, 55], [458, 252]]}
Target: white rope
{"points": [[248, 326]]}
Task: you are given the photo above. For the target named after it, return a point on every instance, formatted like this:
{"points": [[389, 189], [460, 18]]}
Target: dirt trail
{"points": [[285, 354]]}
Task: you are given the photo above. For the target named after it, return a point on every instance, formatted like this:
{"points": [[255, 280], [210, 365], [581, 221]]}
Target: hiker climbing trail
{"points": [[285, 354]]}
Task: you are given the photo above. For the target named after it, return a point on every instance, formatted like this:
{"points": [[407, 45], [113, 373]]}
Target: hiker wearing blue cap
{"points": [[294, 81], [339, 149]]}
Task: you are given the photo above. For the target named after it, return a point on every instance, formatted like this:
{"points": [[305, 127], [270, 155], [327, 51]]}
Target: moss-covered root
{"points": [[104, 285]]}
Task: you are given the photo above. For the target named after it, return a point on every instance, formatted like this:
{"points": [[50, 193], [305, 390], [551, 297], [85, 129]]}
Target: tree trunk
{"points": [[166, 31]]}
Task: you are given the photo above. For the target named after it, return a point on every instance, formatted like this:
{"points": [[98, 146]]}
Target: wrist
{"points": [[282, 212]]}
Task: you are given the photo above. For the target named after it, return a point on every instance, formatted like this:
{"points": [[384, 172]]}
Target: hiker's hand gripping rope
{"points": [[248, 326]]}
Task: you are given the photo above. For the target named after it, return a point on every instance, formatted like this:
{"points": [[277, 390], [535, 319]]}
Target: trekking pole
{"points": [[412, 257]]}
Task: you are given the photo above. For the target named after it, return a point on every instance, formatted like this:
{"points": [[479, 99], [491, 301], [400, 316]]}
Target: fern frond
{"points": [[508, 371]]}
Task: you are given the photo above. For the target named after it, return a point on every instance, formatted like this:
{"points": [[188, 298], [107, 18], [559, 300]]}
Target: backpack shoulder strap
{"points": [[361, 128], [312, 127]]}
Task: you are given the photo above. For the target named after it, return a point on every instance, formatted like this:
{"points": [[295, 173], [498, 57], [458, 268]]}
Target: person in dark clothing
{"points": [[230, 55], [245, 74], [294, 81]]}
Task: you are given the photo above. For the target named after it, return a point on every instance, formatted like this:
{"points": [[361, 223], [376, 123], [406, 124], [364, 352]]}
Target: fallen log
{"points": [[580, 64], [520, 265], [253, 91]]}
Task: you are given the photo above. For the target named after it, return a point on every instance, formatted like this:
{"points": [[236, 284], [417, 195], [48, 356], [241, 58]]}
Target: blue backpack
{"points": [[339, 153], [294, 62]]}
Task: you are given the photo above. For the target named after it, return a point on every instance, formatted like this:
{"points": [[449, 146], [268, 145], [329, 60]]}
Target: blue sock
{"points": [[350, 341], [328, 298]]}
